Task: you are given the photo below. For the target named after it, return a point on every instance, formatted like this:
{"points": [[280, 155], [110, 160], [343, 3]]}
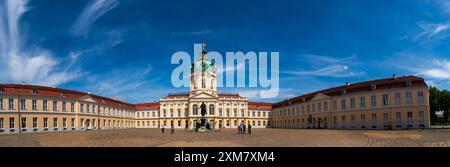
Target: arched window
{"points": [[211, 109], [195, 109], [203, 83]]}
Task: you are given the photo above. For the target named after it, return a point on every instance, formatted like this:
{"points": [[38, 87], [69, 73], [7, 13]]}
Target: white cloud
{"points": [[35, 66], [430, 31], [339, 71], [438, 69], [91, 13], [325, 59], [124, 84]]}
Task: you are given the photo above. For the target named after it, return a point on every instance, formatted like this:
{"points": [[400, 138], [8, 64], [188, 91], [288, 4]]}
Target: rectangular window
{"points": [[64, 106], [235, 113], [228, 112], [11, 104], [259, 113], [374, 117], [12, 123], [88, 108], [1, 123], [55, 105], [45, 122], [410, 115], [24, 122], [420, 99], [398, 116], [325, 106], [408, 98], [385, 100], [353, 117], [362, 100], [179, 113], [319, 107], [264, 114], [23, 105], [398, 100], [72, 122], [55, 122], [385, 117], [34, 104], [64, 122], [373, 101], [334, 105], [363, 117], [1, 103], [171, 113], [35, 122], [82, 108], [313, 107], [72, 107], [421, 116], [253, 113], [352, 103], [343, 104], [44, 105], [242, 113], [235, 122]]}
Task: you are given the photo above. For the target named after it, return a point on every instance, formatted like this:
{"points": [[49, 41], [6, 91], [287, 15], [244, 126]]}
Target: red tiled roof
{"points": [[260, 105], [59, 92], [147, 106], [386, 83]]}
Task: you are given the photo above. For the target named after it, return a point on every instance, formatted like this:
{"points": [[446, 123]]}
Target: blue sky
{"points": [[122, 48]]}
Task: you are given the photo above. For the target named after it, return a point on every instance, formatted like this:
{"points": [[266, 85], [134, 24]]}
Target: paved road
{"points": [[229, 138]]}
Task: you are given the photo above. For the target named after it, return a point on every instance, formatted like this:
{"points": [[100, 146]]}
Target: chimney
{"points": [[394, 76], [347, 84]]}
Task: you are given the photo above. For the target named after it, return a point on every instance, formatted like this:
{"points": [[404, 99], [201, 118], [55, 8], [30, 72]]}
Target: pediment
{"points": [[202, 95], [87, 98], [319, 96]]}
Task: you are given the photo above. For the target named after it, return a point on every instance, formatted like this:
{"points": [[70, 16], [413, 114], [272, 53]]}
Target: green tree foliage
{"points": [[439, 100]]}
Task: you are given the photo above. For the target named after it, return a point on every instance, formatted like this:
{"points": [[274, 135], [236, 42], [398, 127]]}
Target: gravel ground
{"points": [[229, 138]]}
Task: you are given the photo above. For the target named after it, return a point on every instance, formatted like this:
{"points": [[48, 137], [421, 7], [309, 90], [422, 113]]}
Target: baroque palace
{"points": [[392, 103]]}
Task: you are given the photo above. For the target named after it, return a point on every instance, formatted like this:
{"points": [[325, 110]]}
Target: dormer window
{"points": [[1, 89], [34, 91], [408, 83], [343, 92], [63, 94], [373, 87]]}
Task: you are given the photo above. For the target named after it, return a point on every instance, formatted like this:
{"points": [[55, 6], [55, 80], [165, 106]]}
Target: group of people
{"points": [[241, 128], [172, 129]]}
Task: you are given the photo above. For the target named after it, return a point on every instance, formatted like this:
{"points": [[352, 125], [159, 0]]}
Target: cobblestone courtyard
{"points": [[229, 138]]}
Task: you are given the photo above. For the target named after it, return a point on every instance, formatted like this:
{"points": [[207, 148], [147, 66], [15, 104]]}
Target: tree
{"points": [[439, 100]]}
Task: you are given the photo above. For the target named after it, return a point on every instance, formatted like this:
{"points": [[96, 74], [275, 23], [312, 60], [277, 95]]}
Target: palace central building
{"points": [[183, 109]]}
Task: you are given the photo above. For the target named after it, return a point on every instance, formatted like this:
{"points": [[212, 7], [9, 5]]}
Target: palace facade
{"points": [[391, 103]]}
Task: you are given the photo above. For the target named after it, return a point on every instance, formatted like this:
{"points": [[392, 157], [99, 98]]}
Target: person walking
{"points": [[162, 129], [249, 129], [172, 129], [243, 128], [239, 129]]}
